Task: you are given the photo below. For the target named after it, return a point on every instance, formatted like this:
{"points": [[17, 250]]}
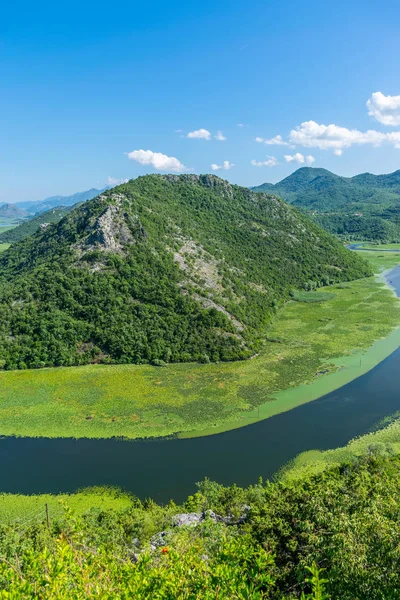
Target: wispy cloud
{"points": [[199, 134], [160, 162], [220, 136], [115, 181], [270, 162], [226, 166], [275, 141], [299, 158]]}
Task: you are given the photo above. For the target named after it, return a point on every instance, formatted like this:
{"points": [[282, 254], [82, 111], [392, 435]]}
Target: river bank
{"points": [[313, 348]]}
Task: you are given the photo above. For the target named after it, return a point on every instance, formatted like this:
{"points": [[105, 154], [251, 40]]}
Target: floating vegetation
{"points": [[312, 296]]}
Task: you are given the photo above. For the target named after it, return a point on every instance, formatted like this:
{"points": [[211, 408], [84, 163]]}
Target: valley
{"points": [[168, 468], [200, 301]]}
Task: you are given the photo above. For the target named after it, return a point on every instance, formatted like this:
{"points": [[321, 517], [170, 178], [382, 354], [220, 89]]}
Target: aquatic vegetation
{"points": [[193, 399]]}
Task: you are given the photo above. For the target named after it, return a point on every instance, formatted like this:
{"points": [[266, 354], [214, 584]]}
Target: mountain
{"points": [[163, 268], [11, 211], [365, 206], [32, 225], [39, 206]]}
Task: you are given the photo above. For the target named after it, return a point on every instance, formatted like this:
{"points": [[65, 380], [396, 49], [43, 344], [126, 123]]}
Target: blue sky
{"points": [[85, 86]]}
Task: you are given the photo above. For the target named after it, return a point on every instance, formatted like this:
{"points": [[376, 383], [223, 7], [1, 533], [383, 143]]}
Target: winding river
{"points": [[165, 469]]}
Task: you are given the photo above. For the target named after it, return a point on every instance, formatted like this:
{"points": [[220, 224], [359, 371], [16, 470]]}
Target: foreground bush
{"points": [[269, 541]]}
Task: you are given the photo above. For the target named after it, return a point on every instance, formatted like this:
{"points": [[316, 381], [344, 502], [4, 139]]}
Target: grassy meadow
{"points": [[377, 247], [16, 508], [4, 247], [310, 342]]}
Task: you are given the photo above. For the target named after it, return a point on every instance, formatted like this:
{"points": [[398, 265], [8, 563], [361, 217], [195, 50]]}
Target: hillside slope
{"points": [[365, 206], [32, 225], [173, 268]]}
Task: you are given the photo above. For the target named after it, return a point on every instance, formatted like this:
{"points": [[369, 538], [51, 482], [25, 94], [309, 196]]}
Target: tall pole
{"points": [[47, 516]]}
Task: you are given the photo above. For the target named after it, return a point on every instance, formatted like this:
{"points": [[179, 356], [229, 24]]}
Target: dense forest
{"points": [[161, 269], [362, 207], [329, 536]]}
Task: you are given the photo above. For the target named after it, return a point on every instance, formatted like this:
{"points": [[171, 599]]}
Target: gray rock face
{"points": [[185, 519], [158, 540], [192, 520]]}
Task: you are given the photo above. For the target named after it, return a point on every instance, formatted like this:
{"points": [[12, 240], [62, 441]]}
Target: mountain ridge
{"points": [[35, 207], [365, 206]]}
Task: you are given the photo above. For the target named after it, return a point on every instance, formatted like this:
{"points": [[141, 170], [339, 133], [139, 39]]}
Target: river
{"points": [[164, 469]]}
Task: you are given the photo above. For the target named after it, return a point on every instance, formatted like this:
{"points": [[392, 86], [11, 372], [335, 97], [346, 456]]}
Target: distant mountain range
{"points": [[32, 215], [365, 206], [11, 211], [39, 206]]}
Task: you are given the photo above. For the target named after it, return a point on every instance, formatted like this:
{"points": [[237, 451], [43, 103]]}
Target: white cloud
{"points": [[300, 158], [275, 141], [385, 109], [270, 162], [160, 162], [115, 181], [226, 165], [338, 152], [199, 134], [332, 137], [394, 138], [240, 125], [220, 136]]}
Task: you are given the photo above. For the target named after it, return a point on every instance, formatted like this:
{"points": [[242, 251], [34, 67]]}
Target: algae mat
{"points": [[317, 343]]}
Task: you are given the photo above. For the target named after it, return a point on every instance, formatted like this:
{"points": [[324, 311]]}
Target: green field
{"points": [[30, 509], [4, 247], [377, 247], [307, 342]]}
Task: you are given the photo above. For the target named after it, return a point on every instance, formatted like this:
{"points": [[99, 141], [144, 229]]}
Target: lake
{"points": [[164, 469]]}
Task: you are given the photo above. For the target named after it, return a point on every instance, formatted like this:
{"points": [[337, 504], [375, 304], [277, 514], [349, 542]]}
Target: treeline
{"points": [[329, 536], [351, 227]]}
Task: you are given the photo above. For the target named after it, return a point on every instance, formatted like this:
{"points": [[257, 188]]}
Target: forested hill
{"points": [[32, 225], [362, 207], [162, 268]]}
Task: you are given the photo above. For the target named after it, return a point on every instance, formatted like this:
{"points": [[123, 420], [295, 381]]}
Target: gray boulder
{"points": [[186, 519]]}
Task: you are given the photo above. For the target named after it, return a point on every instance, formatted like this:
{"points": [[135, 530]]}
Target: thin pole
{"points": [[47, 516]]}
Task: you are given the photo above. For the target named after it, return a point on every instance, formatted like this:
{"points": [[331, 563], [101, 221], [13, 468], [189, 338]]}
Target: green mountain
{"points": [[32, 225], [163, 268], [362, 207]]}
